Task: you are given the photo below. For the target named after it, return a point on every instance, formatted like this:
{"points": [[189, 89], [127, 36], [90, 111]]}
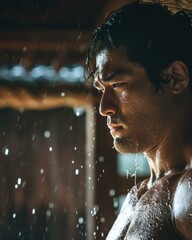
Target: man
{"points": [[140, 59]]}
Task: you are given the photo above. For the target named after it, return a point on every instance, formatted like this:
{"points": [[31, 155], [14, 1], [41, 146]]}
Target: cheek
{"points": [[131, 104], [141, 112], [133, 98], [123, 97]]}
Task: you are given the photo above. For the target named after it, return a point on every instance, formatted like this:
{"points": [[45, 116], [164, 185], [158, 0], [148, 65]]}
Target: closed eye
{"points": [[120, 84]]}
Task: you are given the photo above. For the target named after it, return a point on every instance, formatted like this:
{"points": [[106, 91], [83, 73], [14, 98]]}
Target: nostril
{"points": [[110, 113], [107, 110]]}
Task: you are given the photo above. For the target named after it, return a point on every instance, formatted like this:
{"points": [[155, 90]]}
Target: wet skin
{"points": [[159, 125], [161, 212]]}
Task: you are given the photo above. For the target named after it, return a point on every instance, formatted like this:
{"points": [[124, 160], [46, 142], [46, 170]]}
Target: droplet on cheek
{"points": [[123, 97]]}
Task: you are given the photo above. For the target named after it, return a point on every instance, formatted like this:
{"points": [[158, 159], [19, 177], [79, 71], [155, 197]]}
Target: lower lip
{"points": [[113, 130]]}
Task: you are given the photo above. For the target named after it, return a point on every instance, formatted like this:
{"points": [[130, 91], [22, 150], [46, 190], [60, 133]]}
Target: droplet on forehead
{"points": [[101, 59]]}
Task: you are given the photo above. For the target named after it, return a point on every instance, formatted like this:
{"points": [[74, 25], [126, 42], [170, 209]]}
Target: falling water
{"points": [[136, 167]]}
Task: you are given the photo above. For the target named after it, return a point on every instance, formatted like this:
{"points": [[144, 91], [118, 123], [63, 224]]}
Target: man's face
{"points": [[137, 116]]}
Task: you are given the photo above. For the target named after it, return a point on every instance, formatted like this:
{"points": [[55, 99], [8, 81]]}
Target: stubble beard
{"points": [[126, 145]]}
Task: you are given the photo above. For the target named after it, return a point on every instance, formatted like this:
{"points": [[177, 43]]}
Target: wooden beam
{"points": [[110, 6], [65, 46], [41, 97], [173, 5]]}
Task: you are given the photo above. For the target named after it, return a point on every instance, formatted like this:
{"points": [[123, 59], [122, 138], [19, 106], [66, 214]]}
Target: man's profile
{"points": [[140, 59]]}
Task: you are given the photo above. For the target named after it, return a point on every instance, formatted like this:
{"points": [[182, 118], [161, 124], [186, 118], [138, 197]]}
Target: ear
{"points": [[178, 77]]}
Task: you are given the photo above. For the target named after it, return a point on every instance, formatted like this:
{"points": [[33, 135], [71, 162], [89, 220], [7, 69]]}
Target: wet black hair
{"points": [[153, 36]]}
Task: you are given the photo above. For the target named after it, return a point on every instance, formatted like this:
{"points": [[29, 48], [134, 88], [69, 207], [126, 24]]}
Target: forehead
{"points": [[111, 60], [115, 57], [102, 58]]}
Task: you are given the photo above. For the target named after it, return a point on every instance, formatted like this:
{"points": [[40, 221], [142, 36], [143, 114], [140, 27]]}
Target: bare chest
{"points": [[149, 222], [146, 218]]}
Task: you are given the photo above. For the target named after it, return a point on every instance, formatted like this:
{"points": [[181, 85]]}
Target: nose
{"points": [[108, 103]]}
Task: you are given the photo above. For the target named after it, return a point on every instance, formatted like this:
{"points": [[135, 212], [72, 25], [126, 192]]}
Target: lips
{"points": [[114, 128], [114, 124]]}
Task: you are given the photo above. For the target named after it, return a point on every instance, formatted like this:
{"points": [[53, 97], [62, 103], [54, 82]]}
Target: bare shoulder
{"points": [[182, 205], [127, 212]]}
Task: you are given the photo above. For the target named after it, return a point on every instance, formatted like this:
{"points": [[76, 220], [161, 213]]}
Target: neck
{"points": [[173, 153]]}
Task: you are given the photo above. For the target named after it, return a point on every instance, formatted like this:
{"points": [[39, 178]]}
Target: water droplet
{"points": [[33, 211], [81, 220], [115, 203], [94, 210], [16, 186], [55, 189], [48, 213], [21, 110], [111, 192], [51, 205], [23, 184], [5, 150], [19, 181], [102, 219], [41, 170], [14, 215], [62, 94], [79, 36], [47, 134], [78, 111], [76, 171], [75, 148], [50, 149], [101, 159], [24, 49]]}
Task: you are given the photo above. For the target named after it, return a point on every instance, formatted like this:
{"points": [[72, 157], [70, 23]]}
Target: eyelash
{"points": [[116, 85]]}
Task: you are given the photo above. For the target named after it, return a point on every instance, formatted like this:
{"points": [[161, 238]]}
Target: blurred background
{"points": [[60, 178]]}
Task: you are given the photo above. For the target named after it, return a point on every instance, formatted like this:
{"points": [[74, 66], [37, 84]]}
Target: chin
{"points": [[124, 145]]}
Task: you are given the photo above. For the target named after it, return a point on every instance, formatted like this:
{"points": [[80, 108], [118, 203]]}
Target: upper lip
{"points": [[113, 126]]}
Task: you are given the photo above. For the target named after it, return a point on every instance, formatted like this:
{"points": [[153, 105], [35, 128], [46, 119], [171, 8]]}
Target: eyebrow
{"points": [[113, 75]]}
